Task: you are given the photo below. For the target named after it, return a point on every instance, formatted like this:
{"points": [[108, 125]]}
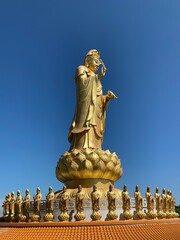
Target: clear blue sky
{"points": [[41, 44]]}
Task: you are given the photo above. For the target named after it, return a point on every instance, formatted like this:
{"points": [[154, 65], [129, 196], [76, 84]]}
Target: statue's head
{"points": [[64, 188], [148, 189], [110, 187], [157, 190], [94, 188], [137, 188], [12, 194], [92, 60], [38, 190], [18, 192], [163, 191], [50, 189], [79, 188], [125, 188], [27, 191]]}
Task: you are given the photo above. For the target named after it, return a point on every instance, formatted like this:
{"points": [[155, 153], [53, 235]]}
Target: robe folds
{"points": [[88, 124]]}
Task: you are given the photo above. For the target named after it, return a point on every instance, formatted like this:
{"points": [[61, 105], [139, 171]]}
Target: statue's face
{"points": [[94, 63], [79, 188]]}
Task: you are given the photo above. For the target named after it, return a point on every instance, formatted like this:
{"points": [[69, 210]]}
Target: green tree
{"points": [[177, 209]]}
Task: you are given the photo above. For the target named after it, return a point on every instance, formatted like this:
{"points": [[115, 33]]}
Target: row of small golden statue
{"points": [[17, 209]]}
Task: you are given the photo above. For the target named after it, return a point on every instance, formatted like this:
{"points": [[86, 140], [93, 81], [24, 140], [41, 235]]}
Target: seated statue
{"points": [[50, 201], [88, 125]]}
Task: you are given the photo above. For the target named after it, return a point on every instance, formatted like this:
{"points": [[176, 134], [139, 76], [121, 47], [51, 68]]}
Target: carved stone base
{"points": [[96, 216], [80, 216], [35, 218], [151, 215], [63, 217], [112, 215], [139, 215], [161, 215], [127, 215], [48, 217]]}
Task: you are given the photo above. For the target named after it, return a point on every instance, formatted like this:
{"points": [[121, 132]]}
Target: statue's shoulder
{"points": [[81, 70]]}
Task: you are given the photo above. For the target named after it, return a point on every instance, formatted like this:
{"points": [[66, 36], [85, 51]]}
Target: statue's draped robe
{"points": [[88, 124]]}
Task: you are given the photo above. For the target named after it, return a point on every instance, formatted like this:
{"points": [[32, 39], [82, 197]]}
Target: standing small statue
{"points": [[79, 198], [139, 214], [95, 196], [18, 205], [63, 205], [150, 204], [159, 203], [126, 204], [37, 203], [88, 125], [12, 206], [173, 204], [111, 197], [49, 206], [163, 196], [6, 206], [168, 204], [26, 206]]}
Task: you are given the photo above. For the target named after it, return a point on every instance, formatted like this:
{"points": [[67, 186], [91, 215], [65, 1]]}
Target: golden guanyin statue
{"points": [[5, 206], [111, 198], [150, 204], [163, 196], [18, 206], [95, 196], [139, 214], [86, 163], [126, 204], [88, 125], [37, 205], [168, 204], [12, 205], [26, 206], [63, 205], [79, 202], [159, 202], [49, 205]]}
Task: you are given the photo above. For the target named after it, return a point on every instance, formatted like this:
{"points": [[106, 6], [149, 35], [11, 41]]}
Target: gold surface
{"points": [[85, 164]]}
